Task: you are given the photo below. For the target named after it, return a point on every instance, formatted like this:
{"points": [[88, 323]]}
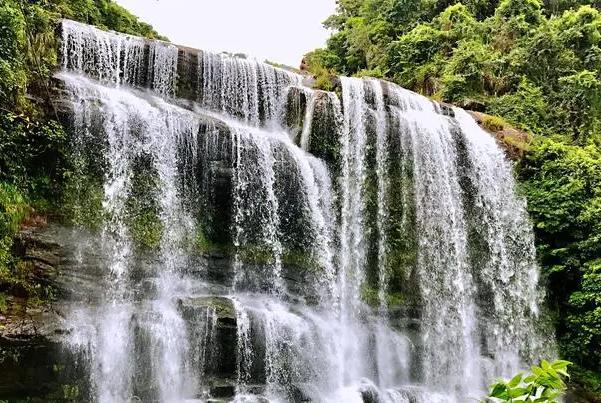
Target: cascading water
{"points": [[118, 59], [352, 231], [386, 259], [245, 89], [136, 128]]}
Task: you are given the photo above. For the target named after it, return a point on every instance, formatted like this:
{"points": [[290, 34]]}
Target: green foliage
{"points": [[544, 384], [103, 13], [535, 64], [525, 108], [522, 11], [15, 276], [13, 210], [324, 82], [563, 186], [32, 154], [590, 380], [316, 61], [580, 105], [3, 305], [12, 37]]}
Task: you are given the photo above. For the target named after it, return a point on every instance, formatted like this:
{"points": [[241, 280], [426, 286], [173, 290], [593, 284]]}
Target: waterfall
{"points": [[246, 89], [265, 241], [118, 59]]}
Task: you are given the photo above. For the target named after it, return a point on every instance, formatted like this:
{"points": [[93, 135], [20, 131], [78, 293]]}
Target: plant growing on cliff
{"points": [[33, 166], [563, 186], [13, 210]]}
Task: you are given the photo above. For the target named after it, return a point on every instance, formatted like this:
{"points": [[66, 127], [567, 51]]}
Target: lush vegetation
{"points": [[532, 64], [33, 166], [536, 64], [563, 186]]}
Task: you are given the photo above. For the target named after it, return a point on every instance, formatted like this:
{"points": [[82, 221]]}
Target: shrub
{"points": [[13, 210], [493, 123], [562, 184]]}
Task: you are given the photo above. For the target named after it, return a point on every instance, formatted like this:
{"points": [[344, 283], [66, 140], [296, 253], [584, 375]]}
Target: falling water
{"points": [[397, 267], [256, 204], [243, 88], [446, 283], [381, 164], [352, 242], [308, 120], [118, 59], [134, 127]]}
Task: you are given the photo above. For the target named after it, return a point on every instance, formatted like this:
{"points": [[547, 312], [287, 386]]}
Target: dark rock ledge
{"points": [[31, 357]]}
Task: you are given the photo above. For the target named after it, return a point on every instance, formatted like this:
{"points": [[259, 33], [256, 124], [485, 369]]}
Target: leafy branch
{"points": [[545, 383]]}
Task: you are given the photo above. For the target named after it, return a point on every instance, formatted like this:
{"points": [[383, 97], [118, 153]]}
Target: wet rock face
{"points": [[294, 112], [33, 362], [211, 323], [41, 254], [187, 73], [37, 368]]}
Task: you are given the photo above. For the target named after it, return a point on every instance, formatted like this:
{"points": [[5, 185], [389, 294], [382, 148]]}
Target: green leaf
{"points": [[517, 392], [515, 381], [498, 390], [538, 371], [530, 379], [561, 364]]}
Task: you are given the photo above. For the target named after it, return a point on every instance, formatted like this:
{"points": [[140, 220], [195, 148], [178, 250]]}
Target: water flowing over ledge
{"points": [[258, 239]]}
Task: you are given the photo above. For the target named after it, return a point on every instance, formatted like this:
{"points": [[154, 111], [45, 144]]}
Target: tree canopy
{"points": [[482, 54]]}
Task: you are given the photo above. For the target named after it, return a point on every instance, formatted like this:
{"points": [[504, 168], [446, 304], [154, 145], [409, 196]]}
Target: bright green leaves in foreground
{"points": [[545, 383]]}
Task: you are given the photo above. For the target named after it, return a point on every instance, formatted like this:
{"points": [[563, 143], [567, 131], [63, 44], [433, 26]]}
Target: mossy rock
{"points": [[514, 142], [224, 308]]}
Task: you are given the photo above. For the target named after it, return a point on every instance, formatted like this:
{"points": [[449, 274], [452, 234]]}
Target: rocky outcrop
{"points": [[32, 359], [212, 327], [514, 141], [35, 360]]}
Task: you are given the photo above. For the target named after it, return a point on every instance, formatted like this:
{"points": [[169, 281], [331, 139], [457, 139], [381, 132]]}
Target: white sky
{"points": [[278, 30]]}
